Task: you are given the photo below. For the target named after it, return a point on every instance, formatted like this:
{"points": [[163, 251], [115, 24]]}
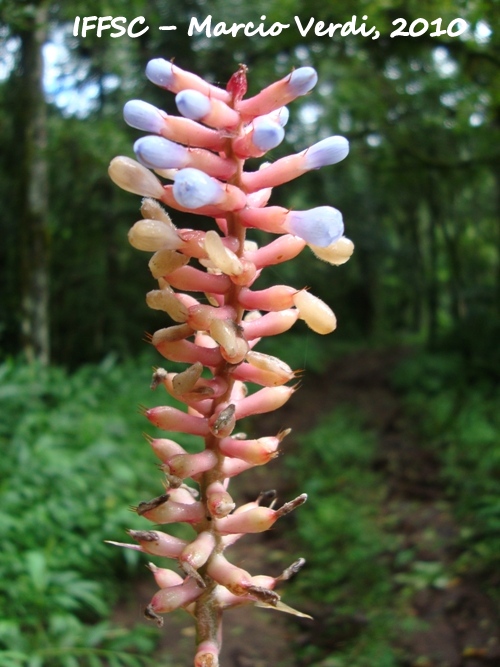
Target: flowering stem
{"points": [[209, 179]]}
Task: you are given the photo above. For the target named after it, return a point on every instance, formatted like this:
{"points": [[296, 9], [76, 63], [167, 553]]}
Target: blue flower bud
{"points": [[302, 80], [159, 71], [192, 104], [282, 115], [320, 226], [328, 151], [193, 188], [267, 134], [143, 116], [160, 153]]}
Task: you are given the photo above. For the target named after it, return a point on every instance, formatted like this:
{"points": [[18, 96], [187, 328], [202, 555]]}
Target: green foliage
{"points": [[343, 540], [459, 419], [72, 461]]}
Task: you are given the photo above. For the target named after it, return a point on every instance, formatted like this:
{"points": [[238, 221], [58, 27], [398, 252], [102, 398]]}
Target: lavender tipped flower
{"points": [[143, 116], [320, 226], [160, 72], [159, 153], [192, 104], [267, 134], [193, 189], [325, 152], [302, 81]]}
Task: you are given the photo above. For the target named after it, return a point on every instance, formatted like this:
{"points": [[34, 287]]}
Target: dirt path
{"points": [[460, 626]]}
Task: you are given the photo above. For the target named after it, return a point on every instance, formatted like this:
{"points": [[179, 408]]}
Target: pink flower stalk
{"points": [[215, 327]]}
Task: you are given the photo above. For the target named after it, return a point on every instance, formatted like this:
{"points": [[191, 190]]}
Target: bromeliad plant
{"points": [[220, 321]]}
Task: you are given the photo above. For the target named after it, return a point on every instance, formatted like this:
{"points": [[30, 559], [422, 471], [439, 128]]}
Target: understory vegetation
{"points": [[73, 459]]}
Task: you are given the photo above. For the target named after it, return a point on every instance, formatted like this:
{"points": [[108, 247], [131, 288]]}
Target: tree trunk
{"points": [[34, 208]]}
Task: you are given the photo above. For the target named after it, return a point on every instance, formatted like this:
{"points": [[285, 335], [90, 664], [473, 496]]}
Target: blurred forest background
{"points": [[401, 433]]}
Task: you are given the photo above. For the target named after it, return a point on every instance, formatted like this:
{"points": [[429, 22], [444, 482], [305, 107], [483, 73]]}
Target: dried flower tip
{"points": [[337, 253], [166, 300], [152, 210], [152, 235], [196, 106], [291, 570], [325, 152], [185, 381], [166, 261], [321, 226], [170, 76], [219, 502], [146, 506], [222, 423], [292, 505], [223, 258], [159, 153], [248, 274], [159, 377], [151, 616], [161, 510], [316, 314], [233, 346], [207, 655], [133, 177], [143, 116], [168, 599], [171, 482]]}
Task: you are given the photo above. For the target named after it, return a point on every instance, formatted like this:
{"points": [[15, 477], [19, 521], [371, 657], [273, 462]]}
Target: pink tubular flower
{"points": [[216, 326]]}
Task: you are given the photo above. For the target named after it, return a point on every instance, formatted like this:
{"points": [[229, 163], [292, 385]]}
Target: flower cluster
{"points": [[219, 319]]}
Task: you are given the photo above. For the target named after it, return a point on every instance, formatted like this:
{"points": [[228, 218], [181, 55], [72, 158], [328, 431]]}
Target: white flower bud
{"points": [[151, 235], [316, 314], [337, 253]]}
